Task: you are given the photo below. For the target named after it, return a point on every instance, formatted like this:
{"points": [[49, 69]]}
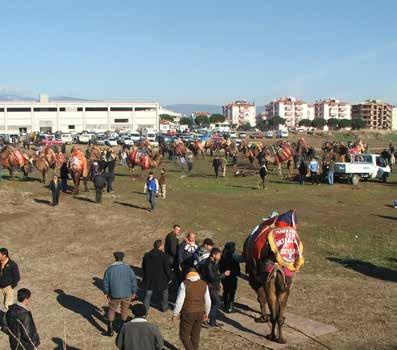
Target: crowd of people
{"points": [[177, 273]]}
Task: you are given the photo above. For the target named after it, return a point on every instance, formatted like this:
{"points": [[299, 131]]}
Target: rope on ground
{"points": [[309, 336]]}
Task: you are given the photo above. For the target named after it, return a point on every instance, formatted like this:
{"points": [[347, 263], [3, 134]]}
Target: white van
{"points": [[282, 133], [67, 139]]}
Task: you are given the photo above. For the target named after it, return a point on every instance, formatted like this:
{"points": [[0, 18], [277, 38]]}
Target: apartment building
{"points": [[377, 114], [240, 112], [394, 119], [332, 108], [291, 109]]}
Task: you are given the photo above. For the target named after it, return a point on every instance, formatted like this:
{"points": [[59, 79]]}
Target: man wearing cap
{"points": [[119, 287], [194, 304], [139, 333]]}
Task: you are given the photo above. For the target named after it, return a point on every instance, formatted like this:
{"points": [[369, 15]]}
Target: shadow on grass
{"points": [[241, 186], [60, 345], [90, 312], [84, 199], [131, 206], [42, 201], [386, 217], [367, 269]]}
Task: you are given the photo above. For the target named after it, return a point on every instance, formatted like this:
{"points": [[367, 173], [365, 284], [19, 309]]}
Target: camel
{"points": [[197, 148], [48, 159], [280, 153], [302, 152], [273, 252], [78, 167], [12, 158], [143, 160]]}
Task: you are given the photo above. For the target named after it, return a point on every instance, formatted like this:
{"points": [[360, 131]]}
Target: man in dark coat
{"points": [[100, 184], [110, 166], [209, 271], [172, 247], [64, 172], [9, 278], [20, 325], [216, 163], [139, 334], [55, 188], [156, 275]]}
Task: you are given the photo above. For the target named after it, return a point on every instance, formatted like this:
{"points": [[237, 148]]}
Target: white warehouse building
{"points": [[75, 116]]}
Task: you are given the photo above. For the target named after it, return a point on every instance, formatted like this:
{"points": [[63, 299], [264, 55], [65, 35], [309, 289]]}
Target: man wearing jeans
{"points": [[151, 188], [313, 166], [156, 275], [119, 287], [9, 278], [210, 274]]}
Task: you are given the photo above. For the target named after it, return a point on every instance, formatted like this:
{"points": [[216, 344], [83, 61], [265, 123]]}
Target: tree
{"points": [[305, 122], [344, 123], [245, 127], [333, 122], [166, 117], [276, 121], [186, 121], [318, 123], [262, 125], [358, 123], [217, 118], [202, 120]]}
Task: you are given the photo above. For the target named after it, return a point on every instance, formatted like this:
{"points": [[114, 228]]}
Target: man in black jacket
{"points": [[216, 163], [9, 278], [64, 172], [20, 325], [100, 184], [110, 166], [172, 246], [156, 275], [55, 188], [210, 273]]}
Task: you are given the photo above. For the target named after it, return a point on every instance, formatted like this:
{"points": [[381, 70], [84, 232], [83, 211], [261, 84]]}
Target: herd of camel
{"points": [[145, 157]]}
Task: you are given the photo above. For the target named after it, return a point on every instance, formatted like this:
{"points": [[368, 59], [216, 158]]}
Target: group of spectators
{"points": [[17, 322], [176, 271]]}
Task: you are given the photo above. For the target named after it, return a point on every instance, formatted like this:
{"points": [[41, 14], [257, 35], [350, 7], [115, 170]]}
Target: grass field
{"points": [[349, 235]]}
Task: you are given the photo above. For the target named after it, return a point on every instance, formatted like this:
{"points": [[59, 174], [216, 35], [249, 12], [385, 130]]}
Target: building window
{"points": [[144, 109], [62, 109], [79, 109], [71, 127], [18, 110], [121, 109], [45, 109], [121, 120], [1, 109], [96, 109]]}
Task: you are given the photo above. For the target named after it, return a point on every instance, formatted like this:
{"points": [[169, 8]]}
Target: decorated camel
{"points": [[12, 158], [78, 167], [140, 158], [273, 252], [302, 152], [48, 159], [278, 154]]}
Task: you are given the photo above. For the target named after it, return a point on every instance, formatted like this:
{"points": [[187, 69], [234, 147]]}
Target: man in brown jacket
{"points": [[194, 304]]}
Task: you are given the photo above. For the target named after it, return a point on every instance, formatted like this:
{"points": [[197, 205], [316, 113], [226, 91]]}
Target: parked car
{"points": [[242, 135], [135, 136], [111, 142], [50, 141], [269, 134], [100, 140], [282, 133], [363, 166], [128, 141], [86, 138], [257, 135], [67, 139]]}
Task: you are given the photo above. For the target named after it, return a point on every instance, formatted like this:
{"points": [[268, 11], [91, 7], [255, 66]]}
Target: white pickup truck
{"points": [[363, 166]]}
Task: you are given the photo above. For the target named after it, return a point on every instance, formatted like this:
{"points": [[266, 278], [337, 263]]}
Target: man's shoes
{"points": [[110, 331], [214, 325]]}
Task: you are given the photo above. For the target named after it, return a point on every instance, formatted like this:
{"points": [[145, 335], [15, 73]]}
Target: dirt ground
{"points": [[349, 235]]}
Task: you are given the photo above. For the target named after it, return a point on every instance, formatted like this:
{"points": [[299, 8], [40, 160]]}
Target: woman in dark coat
{"points": [[156, 275], [229, 283]]}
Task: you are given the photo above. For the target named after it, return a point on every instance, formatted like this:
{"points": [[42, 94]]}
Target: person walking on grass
{"points": [[331, 170], [55, 188], [263, 174], [223, 166], [151, 189], [230, 263], [314, 167], [187, 253], [9, 278], [64, 173], [163, 184], [216, 164], [156, 275], [193, 303], [20, 325], [119, 287], [302, 172], [139, 334], [210, 273], [100, 184], [189, 160]]}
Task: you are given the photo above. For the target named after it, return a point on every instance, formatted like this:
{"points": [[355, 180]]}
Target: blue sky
{"points": [[200, 51]]}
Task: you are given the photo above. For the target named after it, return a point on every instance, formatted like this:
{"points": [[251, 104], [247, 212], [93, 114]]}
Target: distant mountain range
{"points": [[12, 97], [192, 108]]}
